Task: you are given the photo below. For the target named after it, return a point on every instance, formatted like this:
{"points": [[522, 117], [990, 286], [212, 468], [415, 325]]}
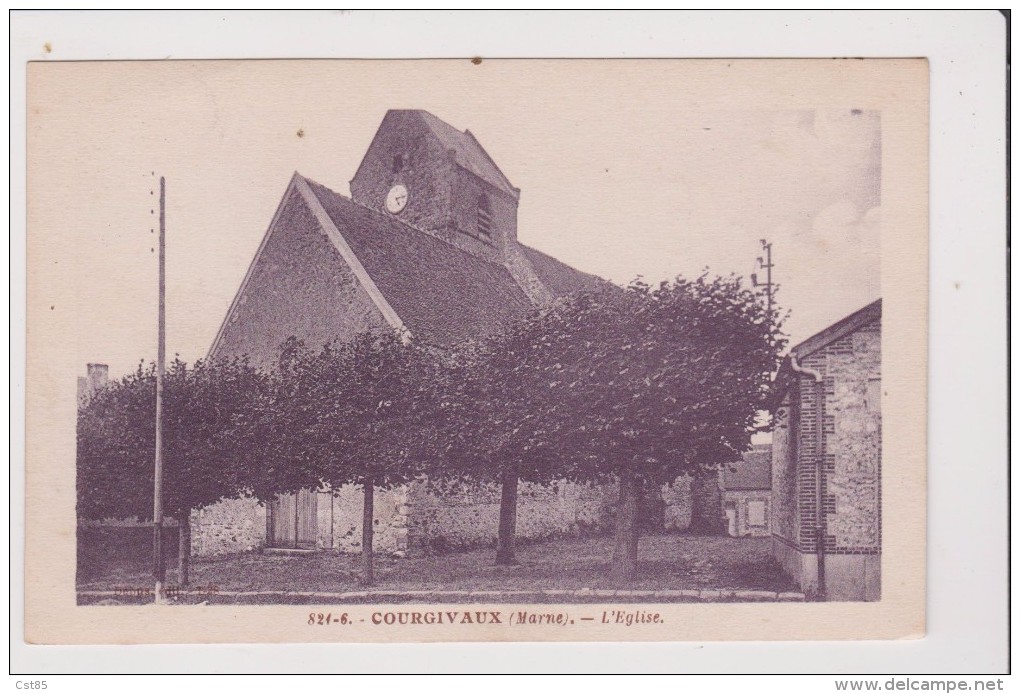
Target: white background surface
{"points": [[967, 586]]}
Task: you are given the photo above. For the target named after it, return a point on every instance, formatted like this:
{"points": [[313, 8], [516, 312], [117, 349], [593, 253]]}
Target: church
{"points": [[426, 243]]}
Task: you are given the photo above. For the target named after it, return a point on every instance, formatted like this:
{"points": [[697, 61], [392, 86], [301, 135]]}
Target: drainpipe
{"points": [[819, 473]]}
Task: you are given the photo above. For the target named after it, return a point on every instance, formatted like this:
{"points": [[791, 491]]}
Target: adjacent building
{"points": [[97, 377], [827, 460], [745, 489]]}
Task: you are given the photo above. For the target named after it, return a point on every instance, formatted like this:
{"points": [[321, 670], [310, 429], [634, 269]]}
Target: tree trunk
{"points": [[184, 548], [625, 552], [368, 533], [507, 540]]}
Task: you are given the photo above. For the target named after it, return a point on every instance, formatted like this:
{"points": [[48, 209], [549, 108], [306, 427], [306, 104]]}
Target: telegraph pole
{"points": [[159, 566], [765, 263]]}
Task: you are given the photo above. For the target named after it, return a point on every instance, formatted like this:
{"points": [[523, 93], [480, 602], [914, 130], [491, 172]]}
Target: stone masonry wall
{"points": [[228, 527], [784, 519], [450, 517], [391, 520], [853, 443], [433, 517], [403, 152], [467, 189], [442, 196], [851, 428], [298, 268]]}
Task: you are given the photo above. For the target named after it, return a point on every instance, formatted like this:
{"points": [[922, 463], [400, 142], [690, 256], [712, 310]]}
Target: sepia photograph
{"points": [[478, 349]]}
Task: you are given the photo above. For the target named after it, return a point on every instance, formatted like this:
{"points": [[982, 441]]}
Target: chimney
{"points": [[98, 375], [96, 378]]}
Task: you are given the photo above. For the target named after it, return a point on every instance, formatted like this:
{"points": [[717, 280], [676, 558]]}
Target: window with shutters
{"points": [[484, 218]]}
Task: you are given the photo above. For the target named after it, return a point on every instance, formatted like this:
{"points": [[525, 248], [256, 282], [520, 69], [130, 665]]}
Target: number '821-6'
{"points": [[316, 618]]}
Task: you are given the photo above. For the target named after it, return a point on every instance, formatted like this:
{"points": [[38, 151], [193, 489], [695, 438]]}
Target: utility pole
{"points": [[159, 565], [765, 263]]}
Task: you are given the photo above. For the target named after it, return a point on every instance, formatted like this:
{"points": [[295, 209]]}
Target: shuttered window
{"points": [[484, 218]]}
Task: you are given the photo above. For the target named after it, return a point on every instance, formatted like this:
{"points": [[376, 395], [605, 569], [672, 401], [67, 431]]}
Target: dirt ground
{"points": [[666, 562]]}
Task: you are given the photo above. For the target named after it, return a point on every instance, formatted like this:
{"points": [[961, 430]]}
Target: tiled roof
{"points": [[753, 472], [468, 152], [851, 323], [841, 328], [560, 278], [441, 293]]}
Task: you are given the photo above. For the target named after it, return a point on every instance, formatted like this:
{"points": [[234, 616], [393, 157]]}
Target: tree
{"points": [[115, 449], [208, 435], [210, 430], [495, 424], [359, 412], [643, 386]]}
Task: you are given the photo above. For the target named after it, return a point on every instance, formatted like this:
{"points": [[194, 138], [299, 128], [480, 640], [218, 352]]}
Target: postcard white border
{"points": [[967, 440]]}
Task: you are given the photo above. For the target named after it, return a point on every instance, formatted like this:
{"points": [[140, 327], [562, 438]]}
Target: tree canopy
{"points": [[350, 412], [208, 428], [640, 385], [662, 379]]}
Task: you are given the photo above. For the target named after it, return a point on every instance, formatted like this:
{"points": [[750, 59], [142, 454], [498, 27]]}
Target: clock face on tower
{"points": [[396, 199]]}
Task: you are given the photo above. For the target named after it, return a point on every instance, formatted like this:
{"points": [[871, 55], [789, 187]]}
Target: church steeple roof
{"points": [[468, 152], [331, 266]]}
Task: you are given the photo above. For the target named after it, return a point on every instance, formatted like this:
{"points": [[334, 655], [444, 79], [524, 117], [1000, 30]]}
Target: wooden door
{"points": [[306, 525], [292, 520]]}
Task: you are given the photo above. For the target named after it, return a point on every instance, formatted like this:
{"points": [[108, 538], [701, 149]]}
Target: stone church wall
{"points": [[403, 153], [428, 517], [298, 268], [391, 519], [442, 196], [464, 213], [451, 517], [228, 527]]}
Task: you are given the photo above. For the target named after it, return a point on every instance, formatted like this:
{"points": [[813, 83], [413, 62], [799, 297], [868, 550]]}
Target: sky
{"points": [[626, 169]]}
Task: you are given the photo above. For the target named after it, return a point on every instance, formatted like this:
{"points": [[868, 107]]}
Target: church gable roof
{"points": [[441, 293], [560, 278], [468, 152], [301, 283]]}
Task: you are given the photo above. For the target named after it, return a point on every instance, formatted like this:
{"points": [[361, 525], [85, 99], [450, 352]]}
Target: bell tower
{"points": [[431, 176]]}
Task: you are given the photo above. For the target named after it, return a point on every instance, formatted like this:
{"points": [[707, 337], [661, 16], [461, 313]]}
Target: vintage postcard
{"points": [[476, 350]]}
